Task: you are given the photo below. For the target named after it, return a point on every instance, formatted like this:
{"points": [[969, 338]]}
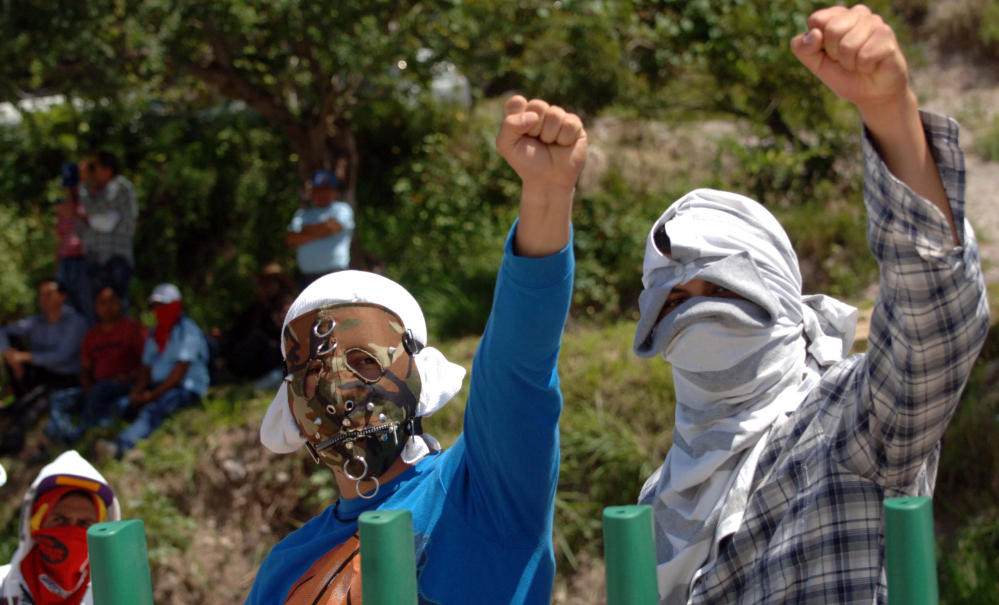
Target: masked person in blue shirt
{"points": [[322, 232], [174, 373], [361, 378]]}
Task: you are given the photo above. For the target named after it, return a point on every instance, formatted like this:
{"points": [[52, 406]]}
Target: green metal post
{"points": [[910, 554], [630, 556], [388, 558], [119, 563]]}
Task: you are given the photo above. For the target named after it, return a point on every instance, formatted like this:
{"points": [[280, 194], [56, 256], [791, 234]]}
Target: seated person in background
{"points": [[784, 448], [51, 563], [71, 266], [42, 354], [360, 379], [322, 232], [110, 360], [173, 376], [252, 346]]}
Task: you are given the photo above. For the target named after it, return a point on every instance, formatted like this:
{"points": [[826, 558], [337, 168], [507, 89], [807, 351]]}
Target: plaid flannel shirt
{"points": [[813, 530], [118, 196]]}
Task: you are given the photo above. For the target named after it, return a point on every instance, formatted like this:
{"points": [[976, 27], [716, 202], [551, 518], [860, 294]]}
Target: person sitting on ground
{"points": [[251, 348], [71, 266], [322, 232], [361, 378], [51, 564], [784, 449], [110, 361], [111, 214], [173, 376], [42, 354]]}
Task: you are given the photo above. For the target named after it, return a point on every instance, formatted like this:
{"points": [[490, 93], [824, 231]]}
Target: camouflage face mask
{"points": [[353, 386]]}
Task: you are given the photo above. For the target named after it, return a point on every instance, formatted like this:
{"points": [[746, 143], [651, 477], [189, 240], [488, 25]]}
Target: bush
{"points": [[988, 142], [28, 252]]}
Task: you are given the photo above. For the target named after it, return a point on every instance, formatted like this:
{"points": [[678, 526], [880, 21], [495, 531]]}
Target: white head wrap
{"points": [[740, 367], [440, 379]]}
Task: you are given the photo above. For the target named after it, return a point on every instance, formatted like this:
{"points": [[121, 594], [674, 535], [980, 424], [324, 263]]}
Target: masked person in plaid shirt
{"points": [[784, 449]]}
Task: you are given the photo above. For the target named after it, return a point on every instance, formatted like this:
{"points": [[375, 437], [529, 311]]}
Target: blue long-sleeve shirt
{"points": [[482, 509], [53, 346]]}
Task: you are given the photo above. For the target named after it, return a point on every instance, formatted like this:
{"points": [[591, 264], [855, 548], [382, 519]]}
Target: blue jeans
{"points": [[152, 415], [98, 409], [73, 273]]}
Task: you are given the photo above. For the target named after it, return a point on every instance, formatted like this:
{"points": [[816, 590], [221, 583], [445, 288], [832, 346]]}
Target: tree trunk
{"points": [[319, 149]]}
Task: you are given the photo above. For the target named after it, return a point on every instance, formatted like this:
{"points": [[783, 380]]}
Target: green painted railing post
{"points": [[910, 553], [388, 558], [630, 556], [119, 563]]}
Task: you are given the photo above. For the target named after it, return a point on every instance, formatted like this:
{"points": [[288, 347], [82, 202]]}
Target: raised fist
{"points": [[543, 143], [855, 53]]}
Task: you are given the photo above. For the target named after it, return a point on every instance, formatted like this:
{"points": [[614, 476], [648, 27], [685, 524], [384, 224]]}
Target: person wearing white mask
{"points": [[783, 448], [361, 378]]}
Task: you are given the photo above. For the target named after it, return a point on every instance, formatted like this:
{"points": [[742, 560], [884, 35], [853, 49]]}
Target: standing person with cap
{"points": [[108, 227], [71, 266], [361, 378], [174, 373], [322, 232]]}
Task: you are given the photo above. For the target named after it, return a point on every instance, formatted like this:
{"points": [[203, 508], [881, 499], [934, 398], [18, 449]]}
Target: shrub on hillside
{"points": [[988, 143]]}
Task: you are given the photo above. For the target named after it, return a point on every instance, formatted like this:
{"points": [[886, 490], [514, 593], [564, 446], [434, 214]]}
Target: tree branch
{"points": [[234, 86]]}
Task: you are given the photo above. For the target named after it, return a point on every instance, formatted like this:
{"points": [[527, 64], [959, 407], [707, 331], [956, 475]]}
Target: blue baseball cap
{"points": [[325, 178], [70, 175]]}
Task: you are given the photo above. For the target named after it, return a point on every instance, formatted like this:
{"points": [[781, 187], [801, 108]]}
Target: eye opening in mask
{"points": [[661, 240], [312, 379], [365, 365]]}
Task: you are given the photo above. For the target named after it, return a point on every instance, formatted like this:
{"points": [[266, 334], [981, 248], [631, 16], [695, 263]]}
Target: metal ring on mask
{"points": [[360, 477], [373, 494], [320, 351], [315, 328]]}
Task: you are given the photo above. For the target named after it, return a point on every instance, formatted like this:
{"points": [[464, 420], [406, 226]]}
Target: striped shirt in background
{"points": [[112, 214], [813, 530]]}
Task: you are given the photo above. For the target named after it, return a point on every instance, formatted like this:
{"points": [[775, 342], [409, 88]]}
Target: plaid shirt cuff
{"points": [[901, 209]]}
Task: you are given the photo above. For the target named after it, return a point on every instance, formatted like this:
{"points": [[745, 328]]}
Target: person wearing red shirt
{"points": [[110, 358]]}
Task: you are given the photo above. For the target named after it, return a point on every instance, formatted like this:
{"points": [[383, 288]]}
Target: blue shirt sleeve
{"points": [[297, 222], [343, 214], [19, 329], [192, 347], [511, 435], [149, 351]]}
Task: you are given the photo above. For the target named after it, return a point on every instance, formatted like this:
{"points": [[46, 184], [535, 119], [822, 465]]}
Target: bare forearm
{"points": [[898, 133], [142, 379], [545, 221], [298, 239]]}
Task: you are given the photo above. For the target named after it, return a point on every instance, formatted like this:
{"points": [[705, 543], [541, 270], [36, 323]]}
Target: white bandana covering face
{"points": [[441, 380], [740, 367]]}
